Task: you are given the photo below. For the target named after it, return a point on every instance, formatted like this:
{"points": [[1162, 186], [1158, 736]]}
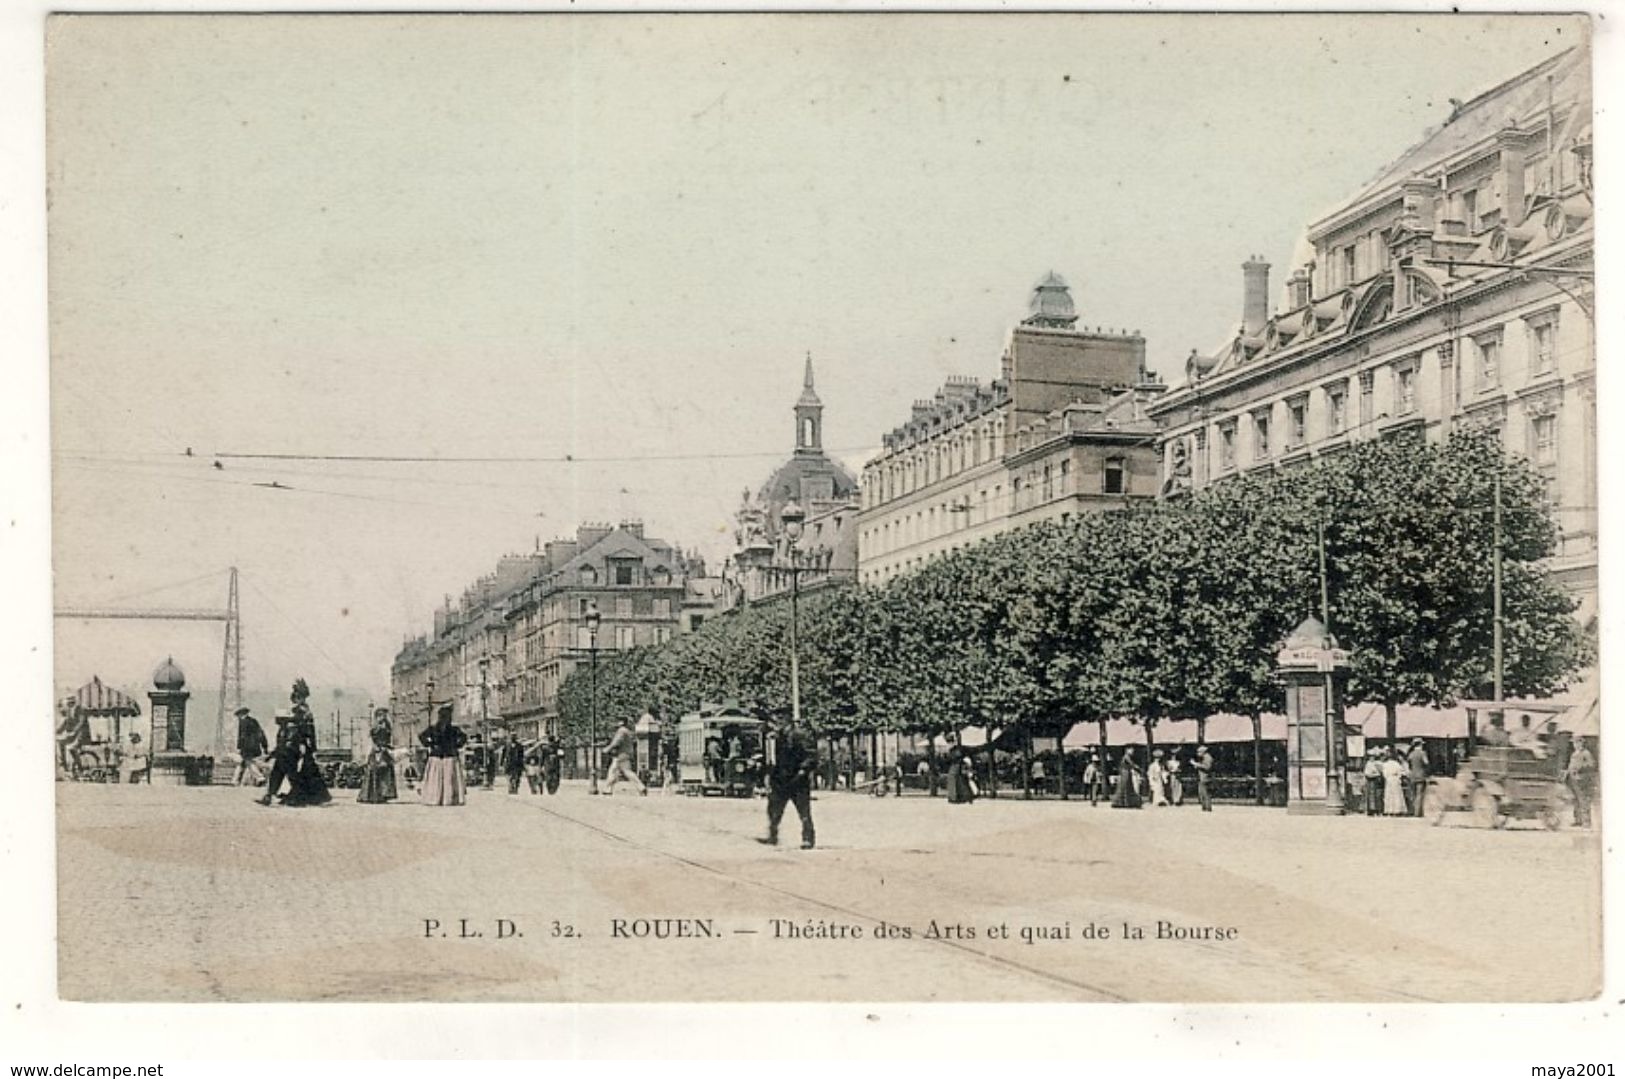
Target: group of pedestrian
{"points": [[1162, 783], [1396, 782]]}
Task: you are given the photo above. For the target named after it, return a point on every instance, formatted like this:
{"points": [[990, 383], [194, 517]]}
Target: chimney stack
{"points": [[1511, 177], [1255, 296], [1298, 289], [1418, 196]]}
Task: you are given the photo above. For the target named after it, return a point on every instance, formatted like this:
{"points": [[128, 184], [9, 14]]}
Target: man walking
{"points": [[285, 758], [1094, 778], [1416, 764], [1204, 772], [792, 760], [620, 759], [1581, 774], [251, 745], [513, 762]]}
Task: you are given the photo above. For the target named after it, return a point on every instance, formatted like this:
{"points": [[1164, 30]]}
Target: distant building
{"points": [[465, 654], [1453, 292], [1064, 429], [645, 589], [826, 493]]}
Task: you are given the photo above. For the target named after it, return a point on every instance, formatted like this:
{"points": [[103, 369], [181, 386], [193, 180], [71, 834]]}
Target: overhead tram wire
{"points": [[198, 464], [568, 458]]}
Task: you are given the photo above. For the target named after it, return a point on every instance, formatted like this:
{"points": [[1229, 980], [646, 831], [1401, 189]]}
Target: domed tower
{"points": [[809, 415], [1051, 305]]}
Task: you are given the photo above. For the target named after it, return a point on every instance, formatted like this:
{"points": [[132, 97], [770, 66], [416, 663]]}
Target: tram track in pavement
{"points": [[1028, 970], [1100, 993]]}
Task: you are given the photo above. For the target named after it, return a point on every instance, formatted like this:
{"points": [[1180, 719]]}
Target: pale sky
{"points": [[616, 238]]}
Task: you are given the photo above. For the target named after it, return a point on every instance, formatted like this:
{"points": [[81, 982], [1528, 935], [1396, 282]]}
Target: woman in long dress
{"points": [[1128, 795], [1393, 786], [306, 787], [1157, 779], [960, 790], [443, 774], [378, 778]]}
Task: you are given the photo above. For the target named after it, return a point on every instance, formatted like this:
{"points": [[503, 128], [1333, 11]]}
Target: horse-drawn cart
{"points": [[1499, 784]]}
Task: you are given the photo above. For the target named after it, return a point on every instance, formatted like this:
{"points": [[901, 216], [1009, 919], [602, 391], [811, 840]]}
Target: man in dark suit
{"points": [[251, 743], [285, 757], [791, 762], [1204, 777]]}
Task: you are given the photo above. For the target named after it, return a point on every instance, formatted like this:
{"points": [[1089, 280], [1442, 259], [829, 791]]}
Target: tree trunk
{"points": [[931, 755], [1103, 738], [851, 758], [1060, 764], [1392, 709], [1258, 758], [1027, 766], [992, 764], [1150, 726], [1201, 730]]}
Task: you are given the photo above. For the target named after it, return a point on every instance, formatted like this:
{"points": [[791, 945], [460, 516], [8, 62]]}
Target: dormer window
{"points": [[589, 575]]}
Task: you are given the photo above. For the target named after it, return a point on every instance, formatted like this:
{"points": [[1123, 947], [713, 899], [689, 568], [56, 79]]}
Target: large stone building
{"points": [[1454, 291], [645, 590], [499, 655], [464, 654], [1063, 429]]}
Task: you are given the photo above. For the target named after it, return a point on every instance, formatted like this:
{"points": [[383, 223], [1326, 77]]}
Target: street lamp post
{"points": [[485, 724], [593, 620], [792, 516], [428, 693]]}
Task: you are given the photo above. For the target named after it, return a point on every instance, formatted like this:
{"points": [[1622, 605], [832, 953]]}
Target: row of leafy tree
{"points": [[1162, 612]]}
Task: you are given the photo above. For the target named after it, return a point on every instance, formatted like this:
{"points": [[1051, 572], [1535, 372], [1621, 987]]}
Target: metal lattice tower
{"points": [[231, 662]]}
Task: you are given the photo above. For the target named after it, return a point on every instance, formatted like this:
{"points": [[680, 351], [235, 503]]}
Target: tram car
{"points": [[720, 752]]}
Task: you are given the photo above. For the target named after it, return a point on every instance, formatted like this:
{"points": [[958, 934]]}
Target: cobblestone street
{"points": [[199, 894]]}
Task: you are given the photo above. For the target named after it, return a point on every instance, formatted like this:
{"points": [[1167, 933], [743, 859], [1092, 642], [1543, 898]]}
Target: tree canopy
{"points": [[1162, 612]]}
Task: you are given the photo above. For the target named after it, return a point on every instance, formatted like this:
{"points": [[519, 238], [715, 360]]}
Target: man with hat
{"points": [[1094, 778], [1416, 777], [792, 759], [251, 745], [285, 757], [621, 747], [1204, 771]]}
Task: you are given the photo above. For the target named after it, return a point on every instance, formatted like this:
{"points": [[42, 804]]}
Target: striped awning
{"points": [[95, 699]]}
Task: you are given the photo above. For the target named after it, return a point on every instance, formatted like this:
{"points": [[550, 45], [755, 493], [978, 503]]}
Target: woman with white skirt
{"points": [[443, 774]]}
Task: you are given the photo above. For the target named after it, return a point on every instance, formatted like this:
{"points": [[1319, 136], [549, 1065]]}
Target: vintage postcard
{"points": [[824, 507]]}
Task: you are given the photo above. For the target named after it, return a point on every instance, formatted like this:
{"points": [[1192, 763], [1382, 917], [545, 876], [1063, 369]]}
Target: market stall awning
{"points": [[95, 699], [1414, 721]]}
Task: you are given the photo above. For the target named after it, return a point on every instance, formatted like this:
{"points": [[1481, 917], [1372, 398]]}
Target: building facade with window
{"points": [[1064, 429], [1453, 292], [646, 591], [465, 654]]}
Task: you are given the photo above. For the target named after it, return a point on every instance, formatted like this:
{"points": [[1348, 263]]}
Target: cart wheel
{"points": [[1486, 809], [1551, 818]]}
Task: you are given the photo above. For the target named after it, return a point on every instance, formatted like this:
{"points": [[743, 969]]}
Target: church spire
{"points": [[809, 414]]}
